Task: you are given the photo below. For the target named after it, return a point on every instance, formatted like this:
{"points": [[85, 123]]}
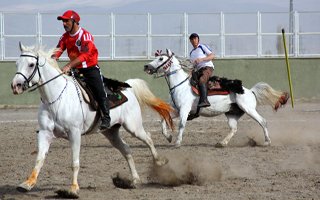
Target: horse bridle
{"points": [[168, 62], [171, 90], [26, 84]]}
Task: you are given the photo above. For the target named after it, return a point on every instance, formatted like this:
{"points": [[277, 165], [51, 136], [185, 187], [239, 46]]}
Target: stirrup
{"points": [[204, 104], [104, 125]]}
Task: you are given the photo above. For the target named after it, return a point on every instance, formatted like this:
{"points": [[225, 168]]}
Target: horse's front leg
{"points": [[167, 135], [75, 142], [44, 141], [182, 124]]}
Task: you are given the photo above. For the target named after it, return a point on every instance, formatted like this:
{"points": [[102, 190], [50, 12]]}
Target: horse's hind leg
{"points": [[262, 122], [139, 132], [114, 138], [248, 105], [233, 124], [44, 141]]}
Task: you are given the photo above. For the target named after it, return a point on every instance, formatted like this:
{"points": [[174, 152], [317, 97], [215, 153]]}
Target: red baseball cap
{"points": [[70, 14]]}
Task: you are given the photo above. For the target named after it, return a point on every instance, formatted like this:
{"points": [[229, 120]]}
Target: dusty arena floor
{"points": [[288, 169]]}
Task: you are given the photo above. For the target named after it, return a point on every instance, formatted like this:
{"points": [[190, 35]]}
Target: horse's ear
{"points": [[158, 53], [169, 52], [22, 48]]}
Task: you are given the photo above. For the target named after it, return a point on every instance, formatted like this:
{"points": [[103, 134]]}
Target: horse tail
{"points": [[265, 94], [146, 98]]}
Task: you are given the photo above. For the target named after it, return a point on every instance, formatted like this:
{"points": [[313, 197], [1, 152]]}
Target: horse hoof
{"points": [[23, 187], [169, 138], [266, 144], [177, 144], [220, 145], [123, 182], [68, 194]]}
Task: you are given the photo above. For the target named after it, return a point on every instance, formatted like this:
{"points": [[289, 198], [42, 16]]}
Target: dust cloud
{"points": [[186, 169], [288, 132]]}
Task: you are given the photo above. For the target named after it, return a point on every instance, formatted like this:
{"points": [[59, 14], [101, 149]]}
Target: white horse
{"points": [[232, 105], [63, 113]]}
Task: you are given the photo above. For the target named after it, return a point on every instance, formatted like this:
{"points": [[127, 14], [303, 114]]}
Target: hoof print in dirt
{"points": [[66, 194], [122, 182]]}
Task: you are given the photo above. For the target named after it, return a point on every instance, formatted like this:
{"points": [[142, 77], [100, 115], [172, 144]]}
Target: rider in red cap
{"points": [[70, 14], [83, 56]]}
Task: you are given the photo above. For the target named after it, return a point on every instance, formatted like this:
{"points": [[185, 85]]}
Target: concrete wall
{"points": [[305, 73]]}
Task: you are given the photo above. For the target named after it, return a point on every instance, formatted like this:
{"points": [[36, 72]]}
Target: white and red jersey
{"points": [[79, 45]]}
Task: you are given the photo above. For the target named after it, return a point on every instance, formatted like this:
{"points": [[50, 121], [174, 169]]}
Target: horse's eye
{"points": [[161, 59], [31, 65]]}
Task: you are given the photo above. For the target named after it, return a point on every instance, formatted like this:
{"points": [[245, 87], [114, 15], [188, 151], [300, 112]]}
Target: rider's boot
{"points": [[203, 101], [105, 115]]}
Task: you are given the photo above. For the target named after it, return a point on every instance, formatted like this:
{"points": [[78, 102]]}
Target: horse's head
{"points": [[27, 67], [161, 63]]}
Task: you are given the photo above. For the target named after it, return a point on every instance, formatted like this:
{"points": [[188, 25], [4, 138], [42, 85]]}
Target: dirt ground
{"points": [[288, 169]]}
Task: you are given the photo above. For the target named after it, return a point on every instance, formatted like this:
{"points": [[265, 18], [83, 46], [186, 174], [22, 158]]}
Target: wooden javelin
{"points": [[288, 67]]}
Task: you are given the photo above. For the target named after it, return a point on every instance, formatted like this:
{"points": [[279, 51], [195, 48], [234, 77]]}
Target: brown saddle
{"points": [[113, 90]]}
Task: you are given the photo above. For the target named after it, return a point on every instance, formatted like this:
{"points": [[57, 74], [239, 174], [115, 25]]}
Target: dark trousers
{"points": [[93, 79]]}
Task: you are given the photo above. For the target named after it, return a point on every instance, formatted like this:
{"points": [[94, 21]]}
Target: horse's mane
{"points": [[39, 50], [185, 63]]}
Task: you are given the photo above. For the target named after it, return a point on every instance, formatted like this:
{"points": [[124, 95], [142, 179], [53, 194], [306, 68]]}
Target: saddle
{"points": [[113, 89], [217, 85]]}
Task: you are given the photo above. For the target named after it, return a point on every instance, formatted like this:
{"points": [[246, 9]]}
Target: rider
{"points": [[83, 56], [202, 56]]}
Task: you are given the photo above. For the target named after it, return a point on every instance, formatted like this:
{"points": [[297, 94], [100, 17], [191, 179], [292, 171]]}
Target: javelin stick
{"points": [[288, 66]]}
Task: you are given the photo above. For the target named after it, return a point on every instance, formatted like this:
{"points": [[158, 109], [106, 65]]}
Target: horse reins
{"points": [[27, 84], [166, 75], [38, 86], [170, 73]]}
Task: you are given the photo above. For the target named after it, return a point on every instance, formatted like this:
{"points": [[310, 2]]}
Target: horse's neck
{"points": [[177, 74], [50, 91]]}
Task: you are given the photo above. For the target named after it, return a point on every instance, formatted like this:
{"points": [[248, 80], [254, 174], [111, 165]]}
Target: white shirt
{"points": [[200, 52]]}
